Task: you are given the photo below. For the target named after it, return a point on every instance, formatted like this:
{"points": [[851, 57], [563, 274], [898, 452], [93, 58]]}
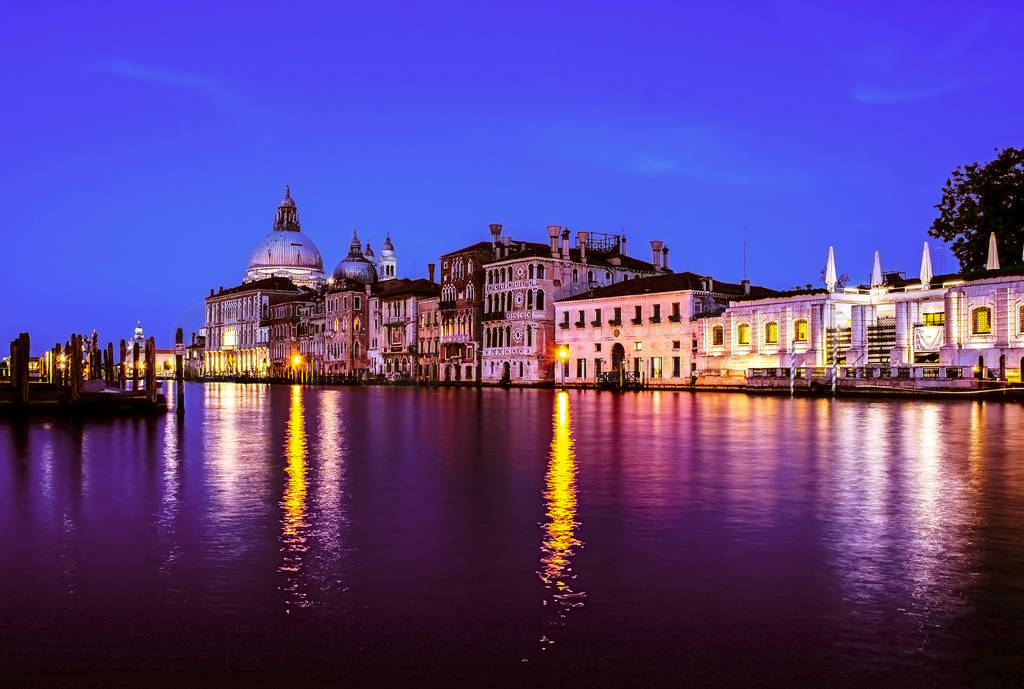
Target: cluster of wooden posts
{"points": [[65, 371]]}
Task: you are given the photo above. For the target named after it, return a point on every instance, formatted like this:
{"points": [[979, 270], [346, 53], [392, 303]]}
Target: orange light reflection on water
{"points": [[293, 504]]}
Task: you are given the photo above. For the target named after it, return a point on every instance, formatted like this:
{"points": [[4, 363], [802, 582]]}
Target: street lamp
{"points": [[563, 357]]}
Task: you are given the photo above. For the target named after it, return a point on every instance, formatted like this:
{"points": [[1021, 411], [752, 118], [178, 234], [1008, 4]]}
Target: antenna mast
{"points": [[744, 252]]}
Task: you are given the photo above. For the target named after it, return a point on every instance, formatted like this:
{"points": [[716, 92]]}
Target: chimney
{"points": [[582, 238], [746, 286], [221, 288], [495, 237], [553, 231], [664, 258], [565, 243], [711, 284], [622, 244], [193, 339], [430, 269], [506, 245], [211, 291], [656, 254]]}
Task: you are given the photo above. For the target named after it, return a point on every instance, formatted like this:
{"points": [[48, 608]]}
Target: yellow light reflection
{"points": [[293, 504], [560, 542]]}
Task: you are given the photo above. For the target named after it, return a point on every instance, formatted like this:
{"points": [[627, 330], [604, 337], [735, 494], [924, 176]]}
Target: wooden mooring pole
{"points": [[121, 371], [75, 375], [179, 373], [151, 388], [108, 371]]}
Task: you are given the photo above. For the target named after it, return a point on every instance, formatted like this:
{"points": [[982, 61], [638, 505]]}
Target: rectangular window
{"points": [[618, 315], [357, 303], [597, 317], [597, 346], [657, 312], [597, 368], [675, 310], [638, 365], [771, 333], [581, 368], [697, 307], [655, 367], [800, 331], [675, 344], [934, 318], [638, 314], [981, 321], [675, 367]]}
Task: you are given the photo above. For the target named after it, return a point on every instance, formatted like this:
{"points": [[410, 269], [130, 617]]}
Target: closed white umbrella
{"points": [[926, 265], [830, 271], [993, 253], [876, 272]]}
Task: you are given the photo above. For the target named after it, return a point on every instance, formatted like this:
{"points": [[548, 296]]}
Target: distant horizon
{"points": [[140, 174]]}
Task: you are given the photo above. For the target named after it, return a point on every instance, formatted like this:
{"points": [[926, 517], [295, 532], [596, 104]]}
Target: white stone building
{"points": [[637, 331]]}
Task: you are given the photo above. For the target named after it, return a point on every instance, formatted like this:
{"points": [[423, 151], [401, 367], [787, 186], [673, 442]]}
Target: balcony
{"points": [[494, 316], [564, 325], [636, 321], [581, 324], [596, 324], [655, 319], [675, 318], [445, 305], [616, 322]]}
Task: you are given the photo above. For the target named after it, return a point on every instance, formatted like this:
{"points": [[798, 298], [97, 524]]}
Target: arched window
{"points": [[356, 349], [540, 299], [771, 333], [981, 321], [575, 275], [355, 324], [717, 336], [529, 336], [520, 369], [800, 331], [743, 334], [529, 300], [469, 291], [508, 335], [540, 271], [503, 275], [590, 276], [529, 271]]}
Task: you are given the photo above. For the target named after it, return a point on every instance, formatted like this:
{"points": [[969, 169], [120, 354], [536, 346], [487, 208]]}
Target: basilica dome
{"points": [[286, 252], [356, 266]]}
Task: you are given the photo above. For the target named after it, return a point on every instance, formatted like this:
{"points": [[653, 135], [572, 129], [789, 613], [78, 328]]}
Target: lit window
{"points": [[800, 331], [743, 334], [638, 346], [981, 321], [934, 319], [655, 367], [717, 336], [771, 333]]}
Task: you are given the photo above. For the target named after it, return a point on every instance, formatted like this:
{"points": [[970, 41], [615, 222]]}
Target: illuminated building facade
{"points": [[347, 319], [237, 326], [461, 307], [286, 324], [933, 328], [396, 308], [522, 282], [428, 339], [637, 330]]}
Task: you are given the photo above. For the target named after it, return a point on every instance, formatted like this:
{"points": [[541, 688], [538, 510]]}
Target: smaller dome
{"points": [[287, 201], [388, 246], [355, 266], [368, 251]]}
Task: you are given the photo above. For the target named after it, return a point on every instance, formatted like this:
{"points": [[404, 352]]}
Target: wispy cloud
{"points": [[139, 72]]}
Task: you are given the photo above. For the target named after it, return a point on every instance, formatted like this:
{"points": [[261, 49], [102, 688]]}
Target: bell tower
{"points": [[388, 264]]}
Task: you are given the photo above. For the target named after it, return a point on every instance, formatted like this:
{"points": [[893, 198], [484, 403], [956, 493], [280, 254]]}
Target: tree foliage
{"points": [[979, 199]]}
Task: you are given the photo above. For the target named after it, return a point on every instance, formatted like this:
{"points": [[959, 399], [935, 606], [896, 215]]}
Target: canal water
{"points": [[304, 536]]}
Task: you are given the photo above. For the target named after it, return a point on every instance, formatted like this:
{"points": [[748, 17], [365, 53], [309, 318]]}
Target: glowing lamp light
{"points": [[297, 360], [563, 353]]}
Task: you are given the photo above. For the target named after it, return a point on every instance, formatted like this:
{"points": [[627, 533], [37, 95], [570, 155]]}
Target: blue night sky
{"points": [[145, 148]]}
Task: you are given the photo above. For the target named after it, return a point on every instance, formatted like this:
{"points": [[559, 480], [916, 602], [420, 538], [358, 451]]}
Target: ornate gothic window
{"points": [[540, 299], [540, 271]]}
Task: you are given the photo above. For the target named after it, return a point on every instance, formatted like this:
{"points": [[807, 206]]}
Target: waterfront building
{"points": [[933, 327], [461, 308], [523, 280], [347, 306], [428, 338], [396, 305], [237, 326], [638, 331], [285, 323]]}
